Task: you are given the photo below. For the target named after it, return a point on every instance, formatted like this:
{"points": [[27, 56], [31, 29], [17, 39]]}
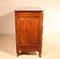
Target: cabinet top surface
{"points": [[29, 11]]}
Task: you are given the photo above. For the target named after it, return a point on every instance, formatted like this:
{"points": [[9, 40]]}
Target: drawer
{"points": [[28, 47], [27, 14]]}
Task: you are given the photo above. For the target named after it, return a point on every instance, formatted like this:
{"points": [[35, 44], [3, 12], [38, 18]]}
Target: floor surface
{"points": [[50, 48]]}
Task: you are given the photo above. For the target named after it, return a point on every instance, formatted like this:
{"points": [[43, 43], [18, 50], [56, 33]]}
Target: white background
{"points": [[51, 18]]}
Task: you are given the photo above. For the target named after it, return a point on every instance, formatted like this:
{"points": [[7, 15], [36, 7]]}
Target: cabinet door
{"points": [[27, 28]]}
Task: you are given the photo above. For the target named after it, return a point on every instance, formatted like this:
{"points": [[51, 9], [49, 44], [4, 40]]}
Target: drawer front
{"points": [[28, 47], [27, 14]]}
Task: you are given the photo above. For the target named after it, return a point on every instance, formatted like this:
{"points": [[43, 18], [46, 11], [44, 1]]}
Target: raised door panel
{"points": [[27, 28]]}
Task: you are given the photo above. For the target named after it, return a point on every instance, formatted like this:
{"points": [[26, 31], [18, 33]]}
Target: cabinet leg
{"points": [[17, 53], [39, 54]]}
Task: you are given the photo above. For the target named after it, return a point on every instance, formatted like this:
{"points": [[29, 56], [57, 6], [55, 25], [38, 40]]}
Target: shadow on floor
{"points": [[28, 53]]}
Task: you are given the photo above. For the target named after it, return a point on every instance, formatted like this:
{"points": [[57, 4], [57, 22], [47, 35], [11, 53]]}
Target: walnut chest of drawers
{"points": [[28, 25]]}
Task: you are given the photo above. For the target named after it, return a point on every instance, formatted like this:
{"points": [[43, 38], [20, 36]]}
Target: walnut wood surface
{"points": [[28, 31]]}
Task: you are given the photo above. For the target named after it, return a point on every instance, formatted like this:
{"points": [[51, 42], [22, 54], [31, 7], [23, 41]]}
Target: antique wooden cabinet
{"points": [[28, 26]]}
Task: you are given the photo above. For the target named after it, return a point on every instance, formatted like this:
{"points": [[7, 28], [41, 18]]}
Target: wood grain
{"points": [[28, 31]]}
